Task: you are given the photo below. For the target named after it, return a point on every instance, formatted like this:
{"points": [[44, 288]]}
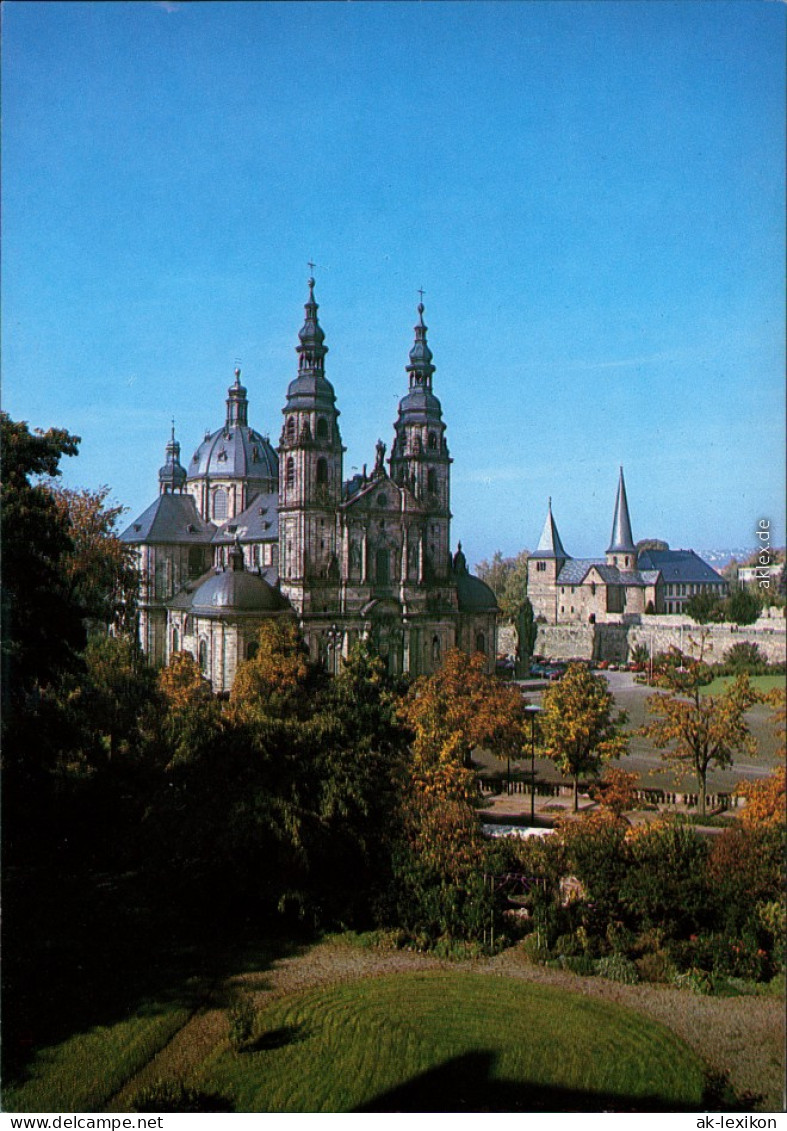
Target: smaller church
{"points": [[621, 587]]}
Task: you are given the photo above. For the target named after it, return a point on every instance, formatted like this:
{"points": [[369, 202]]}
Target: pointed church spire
{"points": [[549, 544], [420, 367], [311, 349], [622, 541], [237, 405]]}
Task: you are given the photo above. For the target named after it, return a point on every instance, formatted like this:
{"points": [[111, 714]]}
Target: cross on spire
{"points": [[421, 292], [311, 266]]}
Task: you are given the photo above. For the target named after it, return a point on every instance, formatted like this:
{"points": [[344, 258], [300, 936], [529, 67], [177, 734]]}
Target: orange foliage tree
{"points": [[273, 682], [697, 731], [766, 800], [458, 708], [99, 569], [182, 683], [616, 792]]}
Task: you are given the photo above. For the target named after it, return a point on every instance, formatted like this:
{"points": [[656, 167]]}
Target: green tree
{"points": [[579, 729], [42, 631], [118, 686], [507, 578], [527, 631], [705, 608], [742, 607]]}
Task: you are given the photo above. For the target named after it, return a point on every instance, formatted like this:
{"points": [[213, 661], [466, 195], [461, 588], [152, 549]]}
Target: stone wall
{"points": [[616, 642]]}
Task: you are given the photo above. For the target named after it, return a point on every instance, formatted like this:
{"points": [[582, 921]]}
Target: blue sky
{"points": [[590, 194]]}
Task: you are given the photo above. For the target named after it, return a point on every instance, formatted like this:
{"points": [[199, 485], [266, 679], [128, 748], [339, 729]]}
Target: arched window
{"points": [[431, 442], [290, 471], [203, 656], [175, 640], [480, 643], [251, 649], [220, 503], [291, 430], [435, 650], [322, 469], [322, 428], [431, 481]]}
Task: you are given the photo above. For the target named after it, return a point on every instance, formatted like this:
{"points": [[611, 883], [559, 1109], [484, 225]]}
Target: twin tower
{"points": [[368, 557]]}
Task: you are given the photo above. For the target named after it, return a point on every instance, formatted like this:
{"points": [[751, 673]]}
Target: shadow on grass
{"points": [[466, 1083], [277, 1038], [90, 949]]}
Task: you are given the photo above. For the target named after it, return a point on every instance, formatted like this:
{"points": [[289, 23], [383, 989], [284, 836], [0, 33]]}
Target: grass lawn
{"points": [[83, 1072], [447, 1041], [758, 682]]}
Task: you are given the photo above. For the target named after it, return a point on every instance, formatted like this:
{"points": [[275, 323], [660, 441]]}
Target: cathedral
{"points": [[250, 532]]}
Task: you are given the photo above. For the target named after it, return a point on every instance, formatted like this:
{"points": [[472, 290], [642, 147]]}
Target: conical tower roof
{"points": [[622, 540], [549, 544]]}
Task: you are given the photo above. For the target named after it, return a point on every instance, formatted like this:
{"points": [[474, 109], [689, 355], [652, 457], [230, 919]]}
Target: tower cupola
{"points": [[420, 367], [237, 404], [172, 476], [311, 349]]}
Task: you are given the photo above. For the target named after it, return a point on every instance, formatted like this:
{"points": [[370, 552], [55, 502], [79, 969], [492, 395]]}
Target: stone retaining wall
{"points": [[616, 642]]}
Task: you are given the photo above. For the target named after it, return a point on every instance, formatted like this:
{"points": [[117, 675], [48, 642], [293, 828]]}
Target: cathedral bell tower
{"points": [[419, 456], [310, 475]]}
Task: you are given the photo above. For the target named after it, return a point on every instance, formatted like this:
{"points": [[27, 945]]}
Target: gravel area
{"points": [[744, 1036]]}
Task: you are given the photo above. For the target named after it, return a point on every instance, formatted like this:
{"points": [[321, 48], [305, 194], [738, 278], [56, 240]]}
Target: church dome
{"points": [[235, 451], [474, 595], [235, 592]]}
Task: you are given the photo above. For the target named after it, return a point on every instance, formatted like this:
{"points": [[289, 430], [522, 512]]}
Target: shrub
{"points": [[619, 938], [241, 1016], [618, 969], [721, 955], [665, 885], [656, 967], [579, 964], [745, 657], [533, 950], [698, 981]]}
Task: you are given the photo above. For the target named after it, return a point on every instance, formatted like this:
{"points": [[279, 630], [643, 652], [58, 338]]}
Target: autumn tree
{"points": [[458, 708], [99, 570], [697, 731], [274, 681], [579, 728], [616, 791]]}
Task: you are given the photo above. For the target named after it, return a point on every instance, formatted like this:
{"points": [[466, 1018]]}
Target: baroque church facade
{"points": [[621, 587], [249, 532]]}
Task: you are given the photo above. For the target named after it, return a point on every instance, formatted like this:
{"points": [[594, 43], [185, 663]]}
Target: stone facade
{"points": [[365, 558], [625, 584]]}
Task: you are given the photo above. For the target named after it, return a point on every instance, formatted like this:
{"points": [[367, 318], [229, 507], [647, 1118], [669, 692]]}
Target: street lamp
{"points": [[531, 710]]}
